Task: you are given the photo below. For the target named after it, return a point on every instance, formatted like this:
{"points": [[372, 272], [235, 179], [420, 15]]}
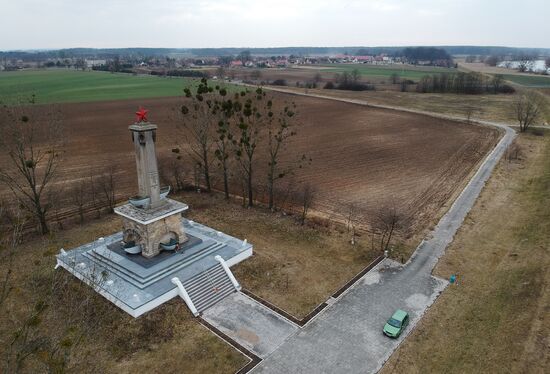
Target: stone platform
{"points": [[137, 284]]}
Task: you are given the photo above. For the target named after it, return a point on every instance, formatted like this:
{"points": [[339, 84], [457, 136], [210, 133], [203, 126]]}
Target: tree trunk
{"points": [[270, 182], [44, 229], [270, 192], [250, 197], [206, 170], [225, 181]]}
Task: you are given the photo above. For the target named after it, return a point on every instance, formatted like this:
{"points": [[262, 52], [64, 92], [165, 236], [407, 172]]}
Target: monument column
{"points": [[151, 223], [144, 137]]}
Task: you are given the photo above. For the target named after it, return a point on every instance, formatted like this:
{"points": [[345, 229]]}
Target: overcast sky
{"points": [[40, 24]]}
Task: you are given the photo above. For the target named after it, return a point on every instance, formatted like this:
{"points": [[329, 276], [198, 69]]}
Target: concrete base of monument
{"points": [[137, 284]]}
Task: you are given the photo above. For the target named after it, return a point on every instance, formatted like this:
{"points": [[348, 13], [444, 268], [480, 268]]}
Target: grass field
{"points": [[533, 81], [294, 267], [168, 339], [373, 71], [63, 86], [495, 320]]}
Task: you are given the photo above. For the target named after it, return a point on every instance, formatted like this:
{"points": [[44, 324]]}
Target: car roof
{"points": [[399, 314]]}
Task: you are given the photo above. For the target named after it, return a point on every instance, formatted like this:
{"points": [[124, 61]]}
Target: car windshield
{"points": [[395, 323]]}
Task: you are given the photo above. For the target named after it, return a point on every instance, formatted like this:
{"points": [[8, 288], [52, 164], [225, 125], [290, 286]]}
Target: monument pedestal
{"points": [[151, 227], [139, 268]]}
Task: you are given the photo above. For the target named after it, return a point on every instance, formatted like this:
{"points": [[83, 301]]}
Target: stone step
{"points": [[133, 274], [207, 289], [210, 294], [197, 255], [201, 287], [197, 281], [219, 297], [128, 276]]}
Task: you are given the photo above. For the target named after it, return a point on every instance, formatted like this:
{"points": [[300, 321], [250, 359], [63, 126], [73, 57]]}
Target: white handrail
{"points": [[185, 296], [228, 272]]}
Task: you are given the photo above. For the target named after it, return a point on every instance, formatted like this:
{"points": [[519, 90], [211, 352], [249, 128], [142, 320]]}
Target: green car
{"points": [[396, 324]]}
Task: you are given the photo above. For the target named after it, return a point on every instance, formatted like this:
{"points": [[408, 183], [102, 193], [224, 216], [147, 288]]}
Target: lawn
{"points": [[404, 71], [294, 267], [533, 81], [495, 320], [63, 86], [80, 331]]}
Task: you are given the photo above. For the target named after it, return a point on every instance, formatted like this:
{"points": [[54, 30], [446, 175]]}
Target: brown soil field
{"points": [[365, 156]]}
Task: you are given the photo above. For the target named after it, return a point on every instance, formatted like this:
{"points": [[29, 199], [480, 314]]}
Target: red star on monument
{"points": [[141, 115]]}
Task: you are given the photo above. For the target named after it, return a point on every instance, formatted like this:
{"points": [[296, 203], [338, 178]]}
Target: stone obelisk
{"points": [[151, 221], [144, 135]]}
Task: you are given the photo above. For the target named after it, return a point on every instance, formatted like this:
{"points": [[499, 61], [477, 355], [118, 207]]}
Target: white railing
{"points": [[185, 296], [228, 272]]}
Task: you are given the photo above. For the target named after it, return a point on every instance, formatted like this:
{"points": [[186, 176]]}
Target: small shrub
{"points": [[537, 132], [507, 89], [329, 86], [279, 82]]}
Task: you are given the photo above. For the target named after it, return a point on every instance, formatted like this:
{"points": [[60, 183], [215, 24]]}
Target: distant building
{"points": [[91, 63]]}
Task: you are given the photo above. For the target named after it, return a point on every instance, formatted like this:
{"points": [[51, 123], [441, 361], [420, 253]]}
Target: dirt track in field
{"points": [[365, 156]]}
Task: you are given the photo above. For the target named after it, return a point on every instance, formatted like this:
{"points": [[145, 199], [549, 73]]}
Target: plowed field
{"points": [[365, 156]]}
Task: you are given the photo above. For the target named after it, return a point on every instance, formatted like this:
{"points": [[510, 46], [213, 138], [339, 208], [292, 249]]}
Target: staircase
{"points": [[209, 287]]}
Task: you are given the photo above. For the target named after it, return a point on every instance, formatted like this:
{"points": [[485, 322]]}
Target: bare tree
{"points": [[394, 78], [468, 112], [61, 314], [32, 138], [255, 75], [317, 78], [307, 195], [12, 221], [277, 138], [226, 109], [94, 194], [497, 82], [171, 171], [352, 217], [79, 194], [513, 152], [387, 222], [355, 76], [527, 109], [220, 72], [197, 126], [254, 116], [525, 61], [57, 201], [107, 185]]}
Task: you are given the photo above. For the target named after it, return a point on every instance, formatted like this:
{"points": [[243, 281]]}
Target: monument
{"points": [[159, 254], [151, 221]]}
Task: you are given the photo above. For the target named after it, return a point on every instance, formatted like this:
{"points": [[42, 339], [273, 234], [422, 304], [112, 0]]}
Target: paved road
{"points": [[251, 324], [346, 337]]}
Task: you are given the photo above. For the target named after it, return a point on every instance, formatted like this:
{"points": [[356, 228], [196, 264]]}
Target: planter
{"points": [[170, 246], [141, 202], [132, 248]]}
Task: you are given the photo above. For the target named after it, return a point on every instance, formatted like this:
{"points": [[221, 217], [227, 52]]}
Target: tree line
{"points": [[463, 83], [230, 133]]}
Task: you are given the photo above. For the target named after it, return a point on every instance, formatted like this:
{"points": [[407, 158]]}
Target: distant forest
{"points": [[286, 51]]}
